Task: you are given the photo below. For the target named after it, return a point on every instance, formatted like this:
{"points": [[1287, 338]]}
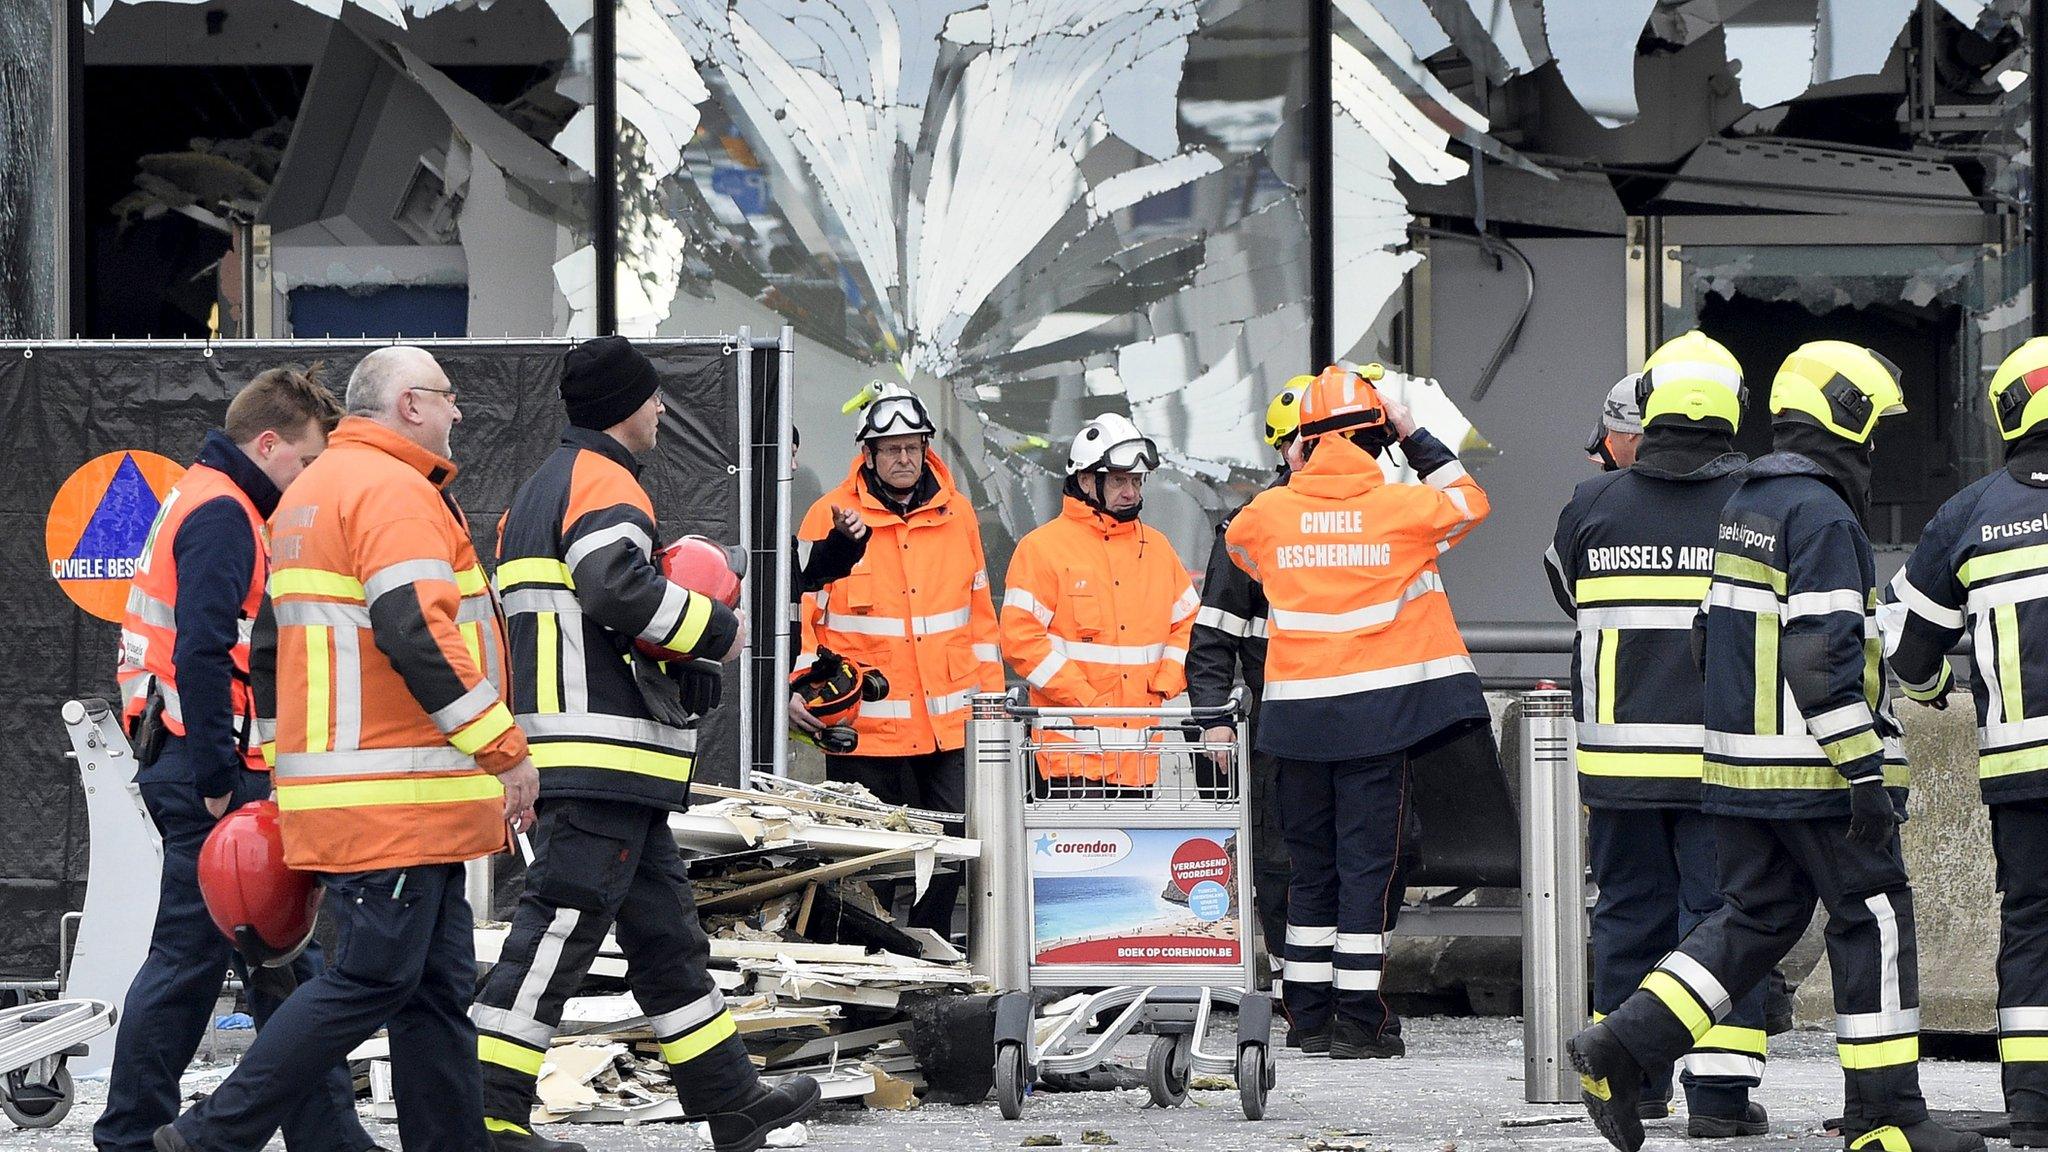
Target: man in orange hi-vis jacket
{"points": [[397, 761], [1097, 612], [1363, 663]]}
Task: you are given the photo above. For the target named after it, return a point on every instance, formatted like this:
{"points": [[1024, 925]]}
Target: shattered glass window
{"points": [[28, 197]]}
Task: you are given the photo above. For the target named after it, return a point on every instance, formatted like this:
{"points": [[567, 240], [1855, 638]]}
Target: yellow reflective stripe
{"points": [[691, 1045], [471, 581], [473, 639], [493, 1124], [1888, 1138], [1671, 589], [2002, 564], [1610, 640], [1597, 1089], [314, 582], [1599, 1016], [2012, 763], [505, 1054], [535, 570], [1789, 777], [548, 652], [615, 757], [1749, 571], [696, 614], [1767, 675], [371, 793], [1675, 996], [1860, 1056], [269, 750], [319, 677], [484, 729], [2005, 621], [1729, 1038], [2022, 1049], [1663, 765], [1853, 747]]}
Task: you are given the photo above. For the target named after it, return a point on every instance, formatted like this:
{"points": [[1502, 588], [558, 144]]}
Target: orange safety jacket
{"points": [[1097, 614], [149, 626], [1363, 656], [392, 723], [916, 608]]}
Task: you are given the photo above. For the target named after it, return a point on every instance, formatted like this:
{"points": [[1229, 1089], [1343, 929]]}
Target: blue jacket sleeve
{"points": [[216, 557], [1923, 616], [1821, 647]]}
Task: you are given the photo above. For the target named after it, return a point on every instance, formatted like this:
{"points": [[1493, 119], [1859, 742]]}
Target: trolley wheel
{"points": [[1166, 1070], [1010, 1079], [32, 1105], [1254, 1080]]}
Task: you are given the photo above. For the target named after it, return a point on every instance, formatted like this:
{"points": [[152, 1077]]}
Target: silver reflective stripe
{"points": [[1105, 734], [1742, 598], [1361, 943], [1872, 1025], [371, 762], [1803, 604], [245, 631], [1187, 605], [1305, 937], [1365, 617], [547, 957], [1729, 1064], [697, 1013], [493, 674], [940, 705], [674, 601], [520, 601], [1107, 653], [1445, 476], [2022, 591], [348, 699], [1260, 627], [1797, 748], [1025, 601], [1047, 669], [174, 705], [1836, 721], [1639, 617], [603, 537], [1228, 623], [465, 708], [2013, 732], [1556, 567], [885, 709], [863, 625], [1987, 671], [1685, 736], [987, 653], [1923, 605], [2013, 1019], [404, 573], [1889, 993], [575, 676], [506, 1022], [1704, 984], [1176, 655], [1309, 972], [135, 687], [940, 622], [1356, 979], [266, 729], [1325, 686], [153, 611], [475, 609], [321, 614], [598, 726]]}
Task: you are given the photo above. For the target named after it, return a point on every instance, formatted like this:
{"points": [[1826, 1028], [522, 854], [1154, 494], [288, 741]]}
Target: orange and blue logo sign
{"points": [[99, 526]]}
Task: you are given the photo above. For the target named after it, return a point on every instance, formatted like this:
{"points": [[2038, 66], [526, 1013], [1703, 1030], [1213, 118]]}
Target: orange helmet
{"points": [[266, 908], [1341, 401], [701, 565]]}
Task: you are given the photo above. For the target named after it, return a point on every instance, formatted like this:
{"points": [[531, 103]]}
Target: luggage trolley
{"points": [[1143, 894]]}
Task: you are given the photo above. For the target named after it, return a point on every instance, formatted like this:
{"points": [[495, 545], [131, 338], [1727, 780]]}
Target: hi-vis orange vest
{"points": [[1097, 614], [385, 761], [916, 608], [1363, 656], [149, 627]]}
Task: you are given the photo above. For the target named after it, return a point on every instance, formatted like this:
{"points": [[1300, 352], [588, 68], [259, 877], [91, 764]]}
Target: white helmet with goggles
{"points": [[1111, 443], [891, 410]]}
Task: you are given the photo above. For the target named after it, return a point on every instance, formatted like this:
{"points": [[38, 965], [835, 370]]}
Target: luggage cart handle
{"points": [[1015, 705]]}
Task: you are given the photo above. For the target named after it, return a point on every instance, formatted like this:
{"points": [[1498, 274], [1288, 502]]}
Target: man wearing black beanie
{"points": [[592, 620]]}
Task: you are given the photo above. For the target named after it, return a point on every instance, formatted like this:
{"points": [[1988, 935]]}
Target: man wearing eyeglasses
{"points": [[912, 603], [1097, 613]]}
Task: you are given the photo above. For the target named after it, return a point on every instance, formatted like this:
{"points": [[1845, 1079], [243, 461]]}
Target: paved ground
{"points": [[1461, 1080]]}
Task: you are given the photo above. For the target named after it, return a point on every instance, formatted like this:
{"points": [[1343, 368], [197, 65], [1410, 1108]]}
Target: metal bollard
{"points": [[476, 887], [999, 944], [1553, 899]]}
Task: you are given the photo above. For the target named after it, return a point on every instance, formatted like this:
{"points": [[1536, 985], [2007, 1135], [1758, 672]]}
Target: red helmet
{"points": [[701, 565], [266, 908]]}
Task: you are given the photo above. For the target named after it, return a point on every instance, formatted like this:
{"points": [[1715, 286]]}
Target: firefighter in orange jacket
{"points": [[1097, 612], [1363, 663], [397, 761], [915, 606]]}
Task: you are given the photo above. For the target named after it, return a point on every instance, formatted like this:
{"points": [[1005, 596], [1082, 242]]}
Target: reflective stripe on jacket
{"points": [[579, 584], [1097, 614], [1363, 656], [916, 606], [391, 722]]}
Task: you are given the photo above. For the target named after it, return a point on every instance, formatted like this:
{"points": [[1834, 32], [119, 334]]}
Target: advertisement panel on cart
{"points": [[1138, 896]]}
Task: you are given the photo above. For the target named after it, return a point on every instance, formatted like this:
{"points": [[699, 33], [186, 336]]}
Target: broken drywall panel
{"points": [[296, 266], [509, 241], [1594, 44]]}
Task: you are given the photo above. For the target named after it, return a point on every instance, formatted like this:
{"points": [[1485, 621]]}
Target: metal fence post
{"points": [[1553, 898], [998, 941]]}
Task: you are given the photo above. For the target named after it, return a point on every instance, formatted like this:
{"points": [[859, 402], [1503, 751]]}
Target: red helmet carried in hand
{"points": [[702, 565], [266, 908]]}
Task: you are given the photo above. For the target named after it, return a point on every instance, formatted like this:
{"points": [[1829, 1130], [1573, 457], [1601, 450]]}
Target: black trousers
{"points": [[171, 999], [1658, 877], [1271, 871], [1344, 822], [597, 863], [936, 781], [2019, 835], [1772, 872], [406, 960]]}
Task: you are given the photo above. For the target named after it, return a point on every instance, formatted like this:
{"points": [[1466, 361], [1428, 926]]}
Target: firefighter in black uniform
{"points": [[1803, 773], [1229, 639], [1633, 555], [1978, 569], [613, 733]]}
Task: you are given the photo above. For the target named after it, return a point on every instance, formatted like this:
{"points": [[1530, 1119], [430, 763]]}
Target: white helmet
{"points": [[893, 410], [1111, 443]]}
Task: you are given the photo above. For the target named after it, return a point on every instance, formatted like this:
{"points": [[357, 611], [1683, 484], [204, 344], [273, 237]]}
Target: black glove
{"points": [[1871, 815], [701, 685], [1939, 703]]}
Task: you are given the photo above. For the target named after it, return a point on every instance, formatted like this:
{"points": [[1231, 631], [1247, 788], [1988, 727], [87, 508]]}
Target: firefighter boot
{"points": [[507, 1137], [1925, 1136], [2029, 1135], [1754, 1121], [1352, 1041], [1610, 1086], [746, 1128]]}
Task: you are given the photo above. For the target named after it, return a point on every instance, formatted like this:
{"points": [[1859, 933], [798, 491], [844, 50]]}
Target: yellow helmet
{"points": [[1283, 415], [2019, 391], [1846, 388], [1692, 377]]}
